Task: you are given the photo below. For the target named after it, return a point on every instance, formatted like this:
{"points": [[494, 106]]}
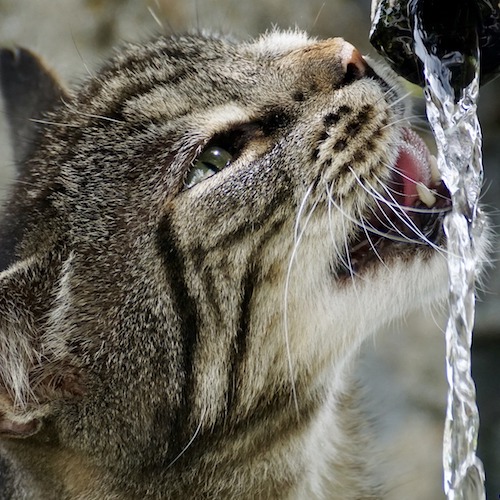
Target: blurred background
{"points": [[403, 368]]}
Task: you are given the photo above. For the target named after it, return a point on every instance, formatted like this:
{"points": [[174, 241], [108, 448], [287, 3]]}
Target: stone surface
{"points": [[404, 368]]}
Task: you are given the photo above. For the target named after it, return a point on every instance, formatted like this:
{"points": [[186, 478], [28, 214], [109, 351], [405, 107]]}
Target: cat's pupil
{"points": [[211, 160]]}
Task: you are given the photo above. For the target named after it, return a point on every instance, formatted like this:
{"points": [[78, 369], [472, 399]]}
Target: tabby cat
{"points": [[198, 241]]}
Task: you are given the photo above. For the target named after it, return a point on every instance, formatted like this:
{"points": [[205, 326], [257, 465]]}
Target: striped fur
{"points": [[163, 342]]}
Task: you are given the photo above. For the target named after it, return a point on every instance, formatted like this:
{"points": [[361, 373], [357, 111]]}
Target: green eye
{"points": [[211, 161]]}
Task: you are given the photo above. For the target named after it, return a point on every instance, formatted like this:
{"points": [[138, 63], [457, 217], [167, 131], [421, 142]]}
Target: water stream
{"points": [[447, 38], [452, 115]]}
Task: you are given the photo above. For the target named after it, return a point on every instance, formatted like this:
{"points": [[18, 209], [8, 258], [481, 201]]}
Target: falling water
{"points": [[458, 136], [451, 86], [451, 111]]}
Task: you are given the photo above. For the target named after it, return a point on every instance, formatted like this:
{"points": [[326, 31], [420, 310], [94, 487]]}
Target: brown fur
{"points": [[164, 342]]}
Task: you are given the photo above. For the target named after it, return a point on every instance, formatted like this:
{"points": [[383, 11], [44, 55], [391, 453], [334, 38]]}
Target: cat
{"points": [[199, 240]]}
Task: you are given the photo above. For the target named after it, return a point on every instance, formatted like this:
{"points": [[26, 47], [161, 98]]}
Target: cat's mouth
{"points": [[408, 213]]}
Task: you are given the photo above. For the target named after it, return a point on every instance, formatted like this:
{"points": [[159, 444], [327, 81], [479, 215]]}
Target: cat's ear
{"points": [[29, 89]]}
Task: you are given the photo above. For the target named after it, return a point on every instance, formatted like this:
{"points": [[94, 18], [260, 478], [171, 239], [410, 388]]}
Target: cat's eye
{"points": [[211, 161]]}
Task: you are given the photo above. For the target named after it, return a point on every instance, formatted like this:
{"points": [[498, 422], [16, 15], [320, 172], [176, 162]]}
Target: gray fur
{"points": [[163, 342]]}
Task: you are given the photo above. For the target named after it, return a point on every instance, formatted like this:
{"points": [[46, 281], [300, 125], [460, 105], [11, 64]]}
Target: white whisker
{"points": [[155, 17], [190, 442], [397, 101], [401, 120], [393, 205], [398, 210], [90, 115], [400, 99], [318, 16], [411, 225], [301, 210], [339, 253], [297, 239], [87, 69], [376, 231], [48, 122], [372, 245], [346, 246]]}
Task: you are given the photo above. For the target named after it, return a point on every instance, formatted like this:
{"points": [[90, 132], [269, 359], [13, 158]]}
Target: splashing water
{"points": [[452, 115]]}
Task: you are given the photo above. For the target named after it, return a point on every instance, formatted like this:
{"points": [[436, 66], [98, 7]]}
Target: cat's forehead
{"points": [[278, 43], [178, 75]]}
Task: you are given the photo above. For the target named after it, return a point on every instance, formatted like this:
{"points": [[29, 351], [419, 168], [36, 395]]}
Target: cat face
{"points": [[200, 239]]}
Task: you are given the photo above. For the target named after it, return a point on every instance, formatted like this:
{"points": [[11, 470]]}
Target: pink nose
{"points": [[352, 61]]}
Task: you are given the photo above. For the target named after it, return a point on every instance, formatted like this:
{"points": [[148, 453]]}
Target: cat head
{"points": [[200, 236]]}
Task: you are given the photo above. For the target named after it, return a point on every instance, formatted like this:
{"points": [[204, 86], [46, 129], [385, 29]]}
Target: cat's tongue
{"points": [[413, 167]]}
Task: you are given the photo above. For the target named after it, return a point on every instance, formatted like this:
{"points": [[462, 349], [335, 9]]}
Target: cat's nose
{"points": [[352, 61]]}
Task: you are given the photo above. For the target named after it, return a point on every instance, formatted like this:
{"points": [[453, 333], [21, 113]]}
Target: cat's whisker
{"points": [[344, 255], [56, 124], [422, 128], [376, 231], [403, 97], [386, 93], [393, 205], [87, 69], [345, 262], [297, 239], [435, 310], [14, 180], [190, 442], [388, 223], [404, 119], [398, 171], [300, 212], [391, 225], [101, 117], [161, 18], [421, 117], [347, 254], [411, 225], [338, 253], [90, 115], [370, 242], [485, 189], [420, 121], [197, 16], [317, 16], [392, 104], [155, 17], [398, 212]]}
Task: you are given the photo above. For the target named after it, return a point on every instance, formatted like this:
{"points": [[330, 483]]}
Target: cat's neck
{"points": [[296, 453], [291, 449]]}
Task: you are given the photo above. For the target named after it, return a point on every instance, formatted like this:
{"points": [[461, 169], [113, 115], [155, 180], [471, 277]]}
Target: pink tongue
{"points": [[413, 165]]}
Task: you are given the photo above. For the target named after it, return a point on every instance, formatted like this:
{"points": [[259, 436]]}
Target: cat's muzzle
{"points": [[408, 211]]}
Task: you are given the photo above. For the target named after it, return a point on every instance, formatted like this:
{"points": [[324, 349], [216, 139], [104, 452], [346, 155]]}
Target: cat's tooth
{"points": [[426, 195], [435, 173]]}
